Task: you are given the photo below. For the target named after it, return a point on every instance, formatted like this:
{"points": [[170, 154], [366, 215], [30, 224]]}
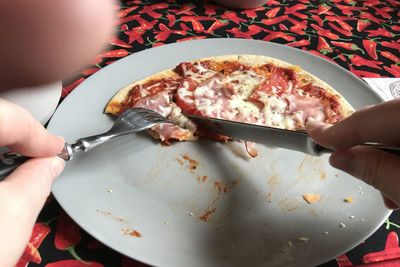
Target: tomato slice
{"points": [[277, 84]]}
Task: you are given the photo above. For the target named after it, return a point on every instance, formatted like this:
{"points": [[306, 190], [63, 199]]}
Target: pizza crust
{"points": [[114, 105]]}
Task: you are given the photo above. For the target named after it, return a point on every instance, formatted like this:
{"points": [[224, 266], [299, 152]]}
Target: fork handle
{"points": [[10, 163]]}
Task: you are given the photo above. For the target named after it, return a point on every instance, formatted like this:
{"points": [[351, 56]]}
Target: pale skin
{"points": [[379, 123], [41, 42]]}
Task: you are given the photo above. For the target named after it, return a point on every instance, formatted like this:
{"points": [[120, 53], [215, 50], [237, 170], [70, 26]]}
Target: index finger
{"points": [[21, 133], [379, 123]]}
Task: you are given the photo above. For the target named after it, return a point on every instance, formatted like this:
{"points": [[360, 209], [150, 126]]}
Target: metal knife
{"points": [[297, 140]]}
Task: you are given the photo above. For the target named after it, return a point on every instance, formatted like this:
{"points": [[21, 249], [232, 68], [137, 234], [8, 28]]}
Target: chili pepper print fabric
{"points": [[362, 36]]}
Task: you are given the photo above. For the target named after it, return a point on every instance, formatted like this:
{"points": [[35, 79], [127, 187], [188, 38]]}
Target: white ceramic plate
{"points": [[136, 184]]}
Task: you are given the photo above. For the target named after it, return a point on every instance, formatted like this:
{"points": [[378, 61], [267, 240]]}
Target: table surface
{"points": [[361, 36]]}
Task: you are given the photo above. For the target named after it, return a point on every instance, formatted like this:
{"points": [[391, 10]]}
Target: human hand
{"points": [[41, 43], [379, 123], [23, 193]]}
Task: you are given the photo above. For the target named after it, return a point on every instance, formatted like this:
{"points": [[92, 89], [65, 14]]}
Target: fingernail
{"points": [[57, 166]]}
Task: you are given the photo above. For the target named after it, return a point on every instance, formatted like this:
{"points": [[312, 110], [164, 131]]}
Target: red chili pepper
{"points": [[342, 57], [68, 233], [282, 27], [67, 89], [275, 20], [89, 71], [349, 46], [394, 69], [325, 33], [323, 46], [300, 15], [276, 35], [368, 16], [144, 24], [359, 61], [372, 3], [297, 7], [383, 12], [254, 29], [186, 9], [30, 254], [318, 19], [209, 8], [124, 27], [196, 24], [380, 32], [392, 44], [74, 263], [127, 19], [336, 28], [362, 24], [115, 41], [135, 35], [251, 13], [323, 9], [171, 20], [298, 26], [272, 12], [273, 3], [39, 233], [239, 34], [341, 22], [390, 56], [347, 10], [149, 10], [166, 32], [395, 28], [126, 11], [370, 47], [184, 27], [115, 53], [216, 25], [367, 74], [302, 42], [233, 17]]}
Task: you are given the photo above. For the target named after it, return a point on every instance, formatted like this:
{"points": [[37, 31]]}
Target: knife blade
{"points": [[297, 140]]}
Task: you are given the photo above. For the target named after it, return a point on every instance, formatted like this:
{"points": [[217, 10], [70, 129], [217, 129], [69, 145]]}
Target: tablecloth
{"points": [[361, 36]]}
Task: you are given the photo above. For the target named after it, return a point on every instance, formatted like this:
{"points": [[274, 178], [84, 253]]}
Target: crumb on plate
{"points": [[311, 198], [349, 199]]}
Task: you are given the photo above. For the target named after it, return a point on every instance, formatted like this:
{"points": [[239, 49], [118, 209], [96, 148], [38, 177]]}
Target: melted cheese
{"points": [[244, 82], [202, 73]]}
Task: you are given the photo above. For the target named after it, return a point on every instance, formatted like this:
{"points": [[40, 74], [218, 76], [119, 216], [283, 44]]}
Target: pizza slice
{"points": [[245, 88]]}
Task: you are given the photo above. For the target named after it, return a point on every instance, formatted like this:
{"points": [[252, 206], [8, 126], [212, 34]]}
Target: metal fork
{"points": [[130, 121]]}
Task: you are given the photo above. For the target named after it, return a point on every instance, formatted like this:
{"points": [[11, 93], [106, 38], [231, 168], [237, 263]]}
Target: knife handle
{"points": [[9, 163], [389, 149]]}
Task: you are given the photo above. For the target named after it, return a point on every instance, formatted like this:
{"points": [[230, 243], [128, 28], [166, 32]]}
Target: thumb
{"points": [[32, 181], [375, 167], [22, 196]]}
